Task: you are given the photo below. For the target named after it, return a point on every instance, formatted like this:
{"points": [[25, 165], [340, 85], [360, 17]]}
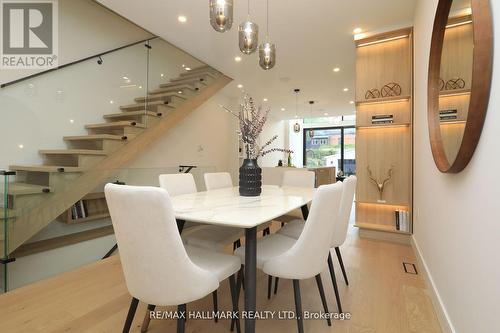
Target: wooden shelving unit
{"points": [[384, 146], [95, 206]]}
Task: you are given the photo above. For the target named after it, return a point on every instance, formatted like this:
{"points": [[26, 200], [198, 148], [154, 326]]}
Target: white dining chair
{"points": [[216, 180], [159, 270], [293, 178], [295, 228], [305, 257]]}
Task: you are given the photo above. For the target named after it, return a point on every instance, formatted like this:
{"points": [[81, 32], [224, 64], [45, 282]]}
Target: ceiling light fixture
{"points": [[240, 86], [357, 31], [283, 109], [265, 99], [187, 68], [326, 113], [351, 102], [267, 50], [221, 15], [182, 19], [248, 35], [346, 89], [237, 59], [336, 69]]}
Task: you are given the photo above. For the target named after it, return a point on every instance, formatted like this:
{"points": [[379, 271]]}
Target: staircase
{"points": [[41, 193]]}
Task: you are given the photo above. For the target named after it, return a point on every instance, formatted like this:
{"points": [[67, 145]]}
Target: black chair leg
{"points": [[147, 318], [341, 262], [269, 286], [276, 285], [216, 304], [239, 282], [323, 298], [181, 319], [298, 306], [130, 315], [235, 298], [334, 282]]}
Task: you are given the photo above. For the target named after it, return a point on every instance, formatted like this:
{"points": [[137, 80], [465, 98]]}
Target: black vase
{"points": [[250, 178]]}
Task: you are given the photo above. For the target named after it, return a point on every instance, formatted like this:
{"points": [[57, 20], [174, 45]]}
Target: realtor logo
{"points": [[29, 34]]}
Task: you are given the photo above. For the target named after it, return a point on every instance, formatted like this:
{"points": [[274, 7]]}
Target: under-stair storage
{"points": [[91, 207]]}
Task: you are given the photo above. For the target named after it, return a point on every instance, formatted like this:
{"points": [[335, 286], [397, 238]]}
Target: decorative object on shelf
{"points": [[280, 163], [380, 185], [391, 89], [248, 35], [448, 115], [383, 119], [267, 50], [252, 120], [441, 84], [373, 93], [454, 84], [221, 14], [296, 127], [311, 130], [289, 162]]}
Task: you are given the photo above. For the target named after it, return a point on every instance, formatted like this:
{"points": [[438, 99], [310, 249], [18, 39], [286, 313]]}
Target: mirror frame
{"points": [[480, 86]]}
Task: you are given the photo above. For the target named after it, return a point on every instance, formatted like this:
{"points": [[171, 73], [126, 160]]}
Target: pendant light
{"points": [[221, 14], [296, 127], [248, 35], [311, 130], [267, 50]]}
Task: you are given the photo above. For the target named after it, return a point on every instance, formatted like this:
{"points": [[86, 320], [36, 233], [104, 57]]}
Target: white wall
{"points": [[271, 128], [85, 29], [457, 216]]}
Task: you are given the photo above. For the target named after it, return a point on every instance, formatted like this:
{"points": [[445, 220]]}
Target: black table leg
{"points": [[180, 225], [305, 212], [250, 277]]}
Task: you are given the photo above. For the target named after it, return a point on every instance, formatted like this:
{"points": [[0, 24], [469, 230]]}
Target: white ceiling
{"points": [[312, 38]]}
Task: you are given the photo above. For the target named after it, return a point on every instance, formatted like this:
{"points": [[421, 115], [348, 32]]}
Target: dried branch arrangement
{"points": [[252, 120]]}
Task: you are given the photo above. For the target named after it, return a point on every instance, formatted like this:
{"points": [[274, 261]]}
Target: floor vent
{"points": [[410, 268]]}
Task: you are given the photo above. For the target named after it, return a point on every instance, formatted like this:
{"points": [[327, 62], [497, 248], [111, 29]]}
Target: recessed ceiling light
{"points": [[346, 89], [182, 18], [125, 78], [265, 99], [21, 146], [188, 68], [283, 109], [326, 113], [336, 69], [240, 86], [351, 102], [111, 102], [237, 59], [71, 121], [357, 31], [180, 91], [162, 75], [140, 87], [296, 116]]}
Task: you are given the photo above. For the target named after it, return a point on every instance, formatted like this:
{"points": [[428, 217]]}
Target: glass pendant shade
{"points": [[311, 133], [248, 33], [267, 55], [221, 15], [296, 127]]}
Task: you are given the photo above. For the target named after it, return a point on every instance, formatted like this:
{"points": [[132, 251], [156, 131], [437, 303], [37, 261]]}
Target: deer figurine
{"points": [[380, 186]]}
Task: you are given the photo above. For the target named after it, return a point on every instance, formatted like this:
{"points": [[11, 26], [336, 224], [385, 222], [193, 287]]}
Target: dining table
{"points": [[225, 207]]}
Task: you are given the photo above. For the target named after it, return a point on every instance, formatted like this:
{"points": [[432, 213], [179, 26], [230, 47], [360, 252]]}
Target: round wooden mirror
{"points": [[460, 71]]}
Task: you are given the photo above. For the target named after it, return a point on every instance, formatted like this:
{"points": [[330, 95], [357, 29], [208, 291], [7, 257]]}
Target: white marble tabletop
{"points": [[226, 207]]}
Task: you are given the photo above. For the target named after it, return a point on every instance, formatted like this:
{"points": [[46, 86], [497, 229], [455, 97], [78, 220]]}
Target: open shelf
{"points": [[379, 227], [453, 122], [452, 93], [392, 99], [95, 207], [405, 205], [383, 126]]}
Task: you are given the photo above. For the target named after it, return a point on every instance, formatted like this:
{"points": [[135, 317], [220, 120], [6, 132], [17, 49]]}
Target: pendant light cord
{"points": [[267, 28], [248, 8]]}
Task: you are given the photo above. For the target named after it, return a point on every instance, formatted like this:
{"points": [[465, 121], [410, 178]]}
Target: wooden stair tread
{"points": [[131, 113], [199, 68], [142, 105], [200, 77], [25, 189], [184, 81], [45, 168], [209, 71], [115, 124], [93, 137], [157, 96], [175, 87], [125, 109], [72, 152]]}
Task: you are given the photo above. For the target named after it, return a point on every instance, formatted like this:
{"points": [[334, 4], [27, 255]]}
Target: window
{"points": [[331, 147]]}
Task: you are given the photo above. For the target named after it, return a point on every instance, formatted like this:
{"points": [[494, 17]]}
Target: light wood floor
{"points": [[381, 298]]}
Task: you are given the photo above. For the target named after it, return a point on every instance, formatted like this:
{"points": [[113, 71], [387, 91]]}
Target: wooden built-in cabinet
{"points": [[381, 60]]}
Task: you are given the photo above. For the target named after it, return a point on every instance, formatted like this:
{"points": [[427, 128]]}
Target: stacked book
{"points": [[402, 220], [79, 210], [382, 119], [448, 115]]}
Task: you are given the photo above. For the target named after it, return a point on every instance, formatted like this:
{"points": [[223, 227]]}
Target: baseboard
{"points": [[444, 319]]}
